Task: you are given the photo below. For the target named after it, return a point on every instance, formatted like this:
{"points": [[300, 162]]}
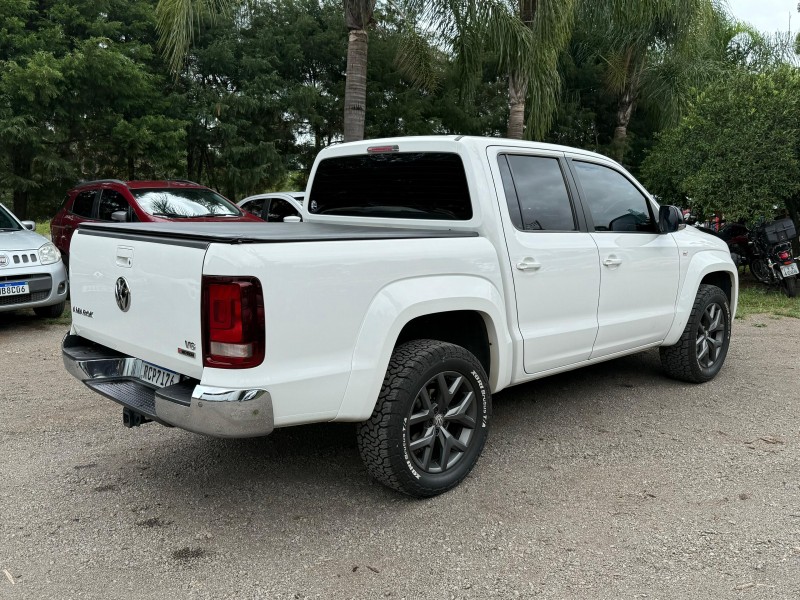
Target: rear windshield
{"points": [[411, 185], [184, 203]]}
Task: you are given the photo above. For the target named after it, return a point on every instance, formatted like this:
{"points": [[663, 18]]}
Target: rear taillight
{"points": [[233, 322], [783, 255]]}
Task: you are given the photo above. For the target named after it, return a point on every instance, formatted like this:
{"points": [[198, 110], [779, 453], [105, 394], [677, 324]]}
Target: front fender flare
{"points": [[702, 264], [399, 303]]}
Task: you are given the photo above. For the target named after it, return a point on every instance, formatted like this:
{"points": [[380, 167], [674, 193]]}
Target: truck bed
{"points": [[202, 234]]}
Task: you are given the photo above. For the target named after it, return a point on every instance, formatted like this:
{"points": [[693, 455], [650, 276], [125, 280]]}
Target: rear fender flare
{"points": [[399, 303]]}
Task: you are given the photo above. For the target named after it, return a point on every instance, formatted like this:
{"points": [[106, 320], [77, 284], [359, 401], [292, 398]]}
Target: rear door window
{"points": [[537, 195], [83, 204], [254, 207], [399, 185]]}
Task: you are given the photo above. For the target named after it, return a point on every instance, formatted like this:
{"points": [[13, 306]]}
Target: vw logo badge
{"points": [[123, 294], [3, 260]]}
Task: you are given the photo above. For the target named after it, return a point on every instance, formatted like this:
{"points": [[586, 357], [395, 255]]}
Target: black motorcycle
{"points": [[771, 260]]}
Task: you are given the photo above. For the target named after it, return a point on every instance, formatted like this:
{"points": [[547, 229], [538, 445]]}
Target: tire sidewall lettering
{"points": [[406, 457]]}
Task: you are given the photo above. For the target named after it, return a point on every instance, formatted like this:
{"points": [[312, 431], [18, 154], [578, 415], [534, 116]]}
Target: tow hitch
{"points": [[131, 418]]}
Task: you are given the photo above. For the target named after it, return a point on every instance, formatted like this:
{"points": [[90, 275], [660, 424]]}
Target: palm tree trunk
{"points": [[355, 91], [625, 108], [517, 91]]}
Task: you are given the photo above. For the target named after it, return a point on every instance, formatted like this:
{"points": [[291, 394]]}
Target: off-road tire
{"points": [[789, 286], [680, 361], [383, 441], [50, 312]]}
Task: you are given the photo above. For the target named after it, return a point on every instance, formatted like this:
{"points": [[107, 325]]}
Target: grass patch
{"points": [[43, 229], [755, 299], [64, 319]]}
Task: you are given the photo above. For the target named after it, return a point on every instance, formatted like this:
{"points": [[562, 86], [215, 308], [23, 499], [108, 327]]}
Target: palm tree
{"points": [[358, 15], [652, 50], [178, 21], [525, 36]]}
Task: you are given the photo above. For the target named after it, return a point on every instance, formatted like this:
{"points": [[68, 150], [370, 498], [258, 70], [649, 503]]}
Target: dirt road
{"points": [[609, 482]]}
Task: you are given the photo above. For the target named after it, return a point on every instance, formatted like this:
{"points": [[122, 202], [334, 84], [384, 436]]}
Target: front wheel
{"points": [[431, 419], [701, 350], [50, 312], [789, 286]]}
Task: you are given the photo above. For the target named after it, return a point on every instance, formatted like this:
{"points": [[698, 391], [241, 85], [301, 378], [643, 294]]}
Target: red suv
{"points": [[147, 201]]}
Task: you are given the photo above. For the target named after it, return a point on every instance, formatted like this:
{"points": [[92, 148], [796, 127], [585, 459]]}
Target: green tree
{"points": [[523, 37], [80, 96], [737, 150], [651, 50], [180, 21]]}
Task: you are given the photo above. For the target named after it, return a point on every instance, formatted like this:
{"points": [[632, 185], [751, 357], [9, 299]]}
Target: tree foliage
{"points": [[737, 151]]}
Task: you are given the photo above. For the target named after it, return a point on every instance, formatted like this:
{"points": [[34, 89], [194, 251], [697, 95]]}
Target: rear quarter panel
{"points": [[319, 296]]}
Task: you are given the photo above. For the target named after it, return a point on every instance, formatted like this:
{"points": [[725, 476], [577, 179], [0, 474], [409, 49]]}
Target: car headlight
{"points": [[49, 254]]}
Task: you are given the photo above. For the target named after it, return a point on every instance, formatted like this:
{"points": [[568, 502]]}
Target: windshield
{"points": [[7, 222], [409, 185], [184, 203]]}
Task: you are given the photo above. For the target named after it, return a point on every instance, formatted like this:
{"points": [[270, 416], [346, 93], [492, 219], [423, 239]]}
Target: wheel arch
{"points": [[705, 268], [447, 308]]}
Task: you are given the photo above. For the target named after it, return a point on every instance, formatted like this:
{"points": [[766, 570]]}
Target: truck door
{"points": [[554, 260], [639, 265]]}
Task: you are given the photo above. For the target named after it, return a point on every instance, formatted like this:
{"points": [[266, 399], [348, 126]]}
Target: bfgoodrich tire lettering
{"points": [[431, 419], [700, 352]]}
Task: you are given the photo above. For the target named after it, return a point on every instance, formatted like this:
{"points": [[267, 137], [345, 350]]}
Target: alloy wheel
{"points": [[710, 335], [442, 420]]}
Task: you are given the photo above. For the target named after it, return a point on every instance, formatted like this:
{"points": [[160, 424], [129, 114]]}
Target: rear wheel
{"points": [[789, 286], [50, 312], [431, 419], [760, 270], [699, 354]]}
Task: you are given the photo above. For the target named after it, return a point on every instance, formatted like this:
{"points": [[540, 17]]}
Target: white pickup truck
{"points": [[428, 274]]}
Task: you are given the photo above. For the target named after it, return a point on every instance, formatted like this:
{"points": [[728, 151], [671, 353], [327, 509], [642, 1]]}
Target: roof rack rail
{"points": [[93, 181], [183, 181]]}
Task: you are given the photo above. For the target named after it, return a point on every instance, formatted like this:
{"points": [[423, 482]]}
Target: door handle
{"points": [[528, 264], [612, 261]]}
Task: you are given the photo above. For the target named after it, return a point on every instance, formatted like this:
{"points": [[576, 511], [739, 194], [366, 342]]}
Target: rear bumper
{"points": [[214, 411]]}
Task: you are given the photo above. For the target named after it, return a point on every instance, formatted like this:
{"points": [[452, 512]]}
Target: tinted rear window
{"points": [[411, 185]]}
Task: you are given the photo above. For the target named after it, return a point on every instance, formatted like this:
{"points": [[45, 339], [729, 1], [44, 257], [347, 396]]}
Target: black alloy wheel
{"points": [[710, 336], [431, 420], [441, 423]]}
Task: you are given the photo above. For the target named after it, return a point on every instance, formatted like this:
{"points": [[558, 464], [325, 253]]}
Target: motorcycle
{"points": [[770, 255]]}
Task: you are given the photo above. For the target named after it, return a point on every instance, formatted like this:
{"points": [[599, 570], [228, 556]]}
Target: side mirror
{"points": [[30, 225], [292, 219], [670, 219], [120, 216]]}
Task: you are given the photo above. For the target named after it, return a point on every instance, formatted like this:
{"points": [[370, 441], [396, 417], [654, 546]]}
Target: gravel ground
{"points": [[609, 482]]}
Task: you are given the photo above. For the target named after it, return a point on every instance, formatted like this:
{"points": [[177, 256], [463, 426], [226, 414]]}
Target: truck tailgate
{"points": [[140, 296]]}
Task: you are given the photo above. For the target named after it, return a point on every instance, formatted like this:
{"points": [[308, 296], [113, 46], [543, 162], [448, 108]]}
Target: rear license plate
{"points": [[789, 270], [14, 288], [158, 377]]}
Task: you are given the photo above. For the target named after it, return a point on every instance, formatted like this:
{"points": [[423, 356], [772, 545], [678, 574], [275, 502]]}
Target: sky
{"points": [[767, 15]]}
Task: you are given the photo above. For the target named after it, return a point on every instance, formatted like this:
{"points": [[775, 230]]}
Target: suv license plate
{"points": [[789, 270], [14, 288], [158, 377]]}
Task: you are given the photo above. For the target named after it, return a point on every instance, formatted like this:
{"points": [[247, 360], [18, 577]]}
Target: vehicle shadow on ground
{"points": [[19, 321], [316, 469]]}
